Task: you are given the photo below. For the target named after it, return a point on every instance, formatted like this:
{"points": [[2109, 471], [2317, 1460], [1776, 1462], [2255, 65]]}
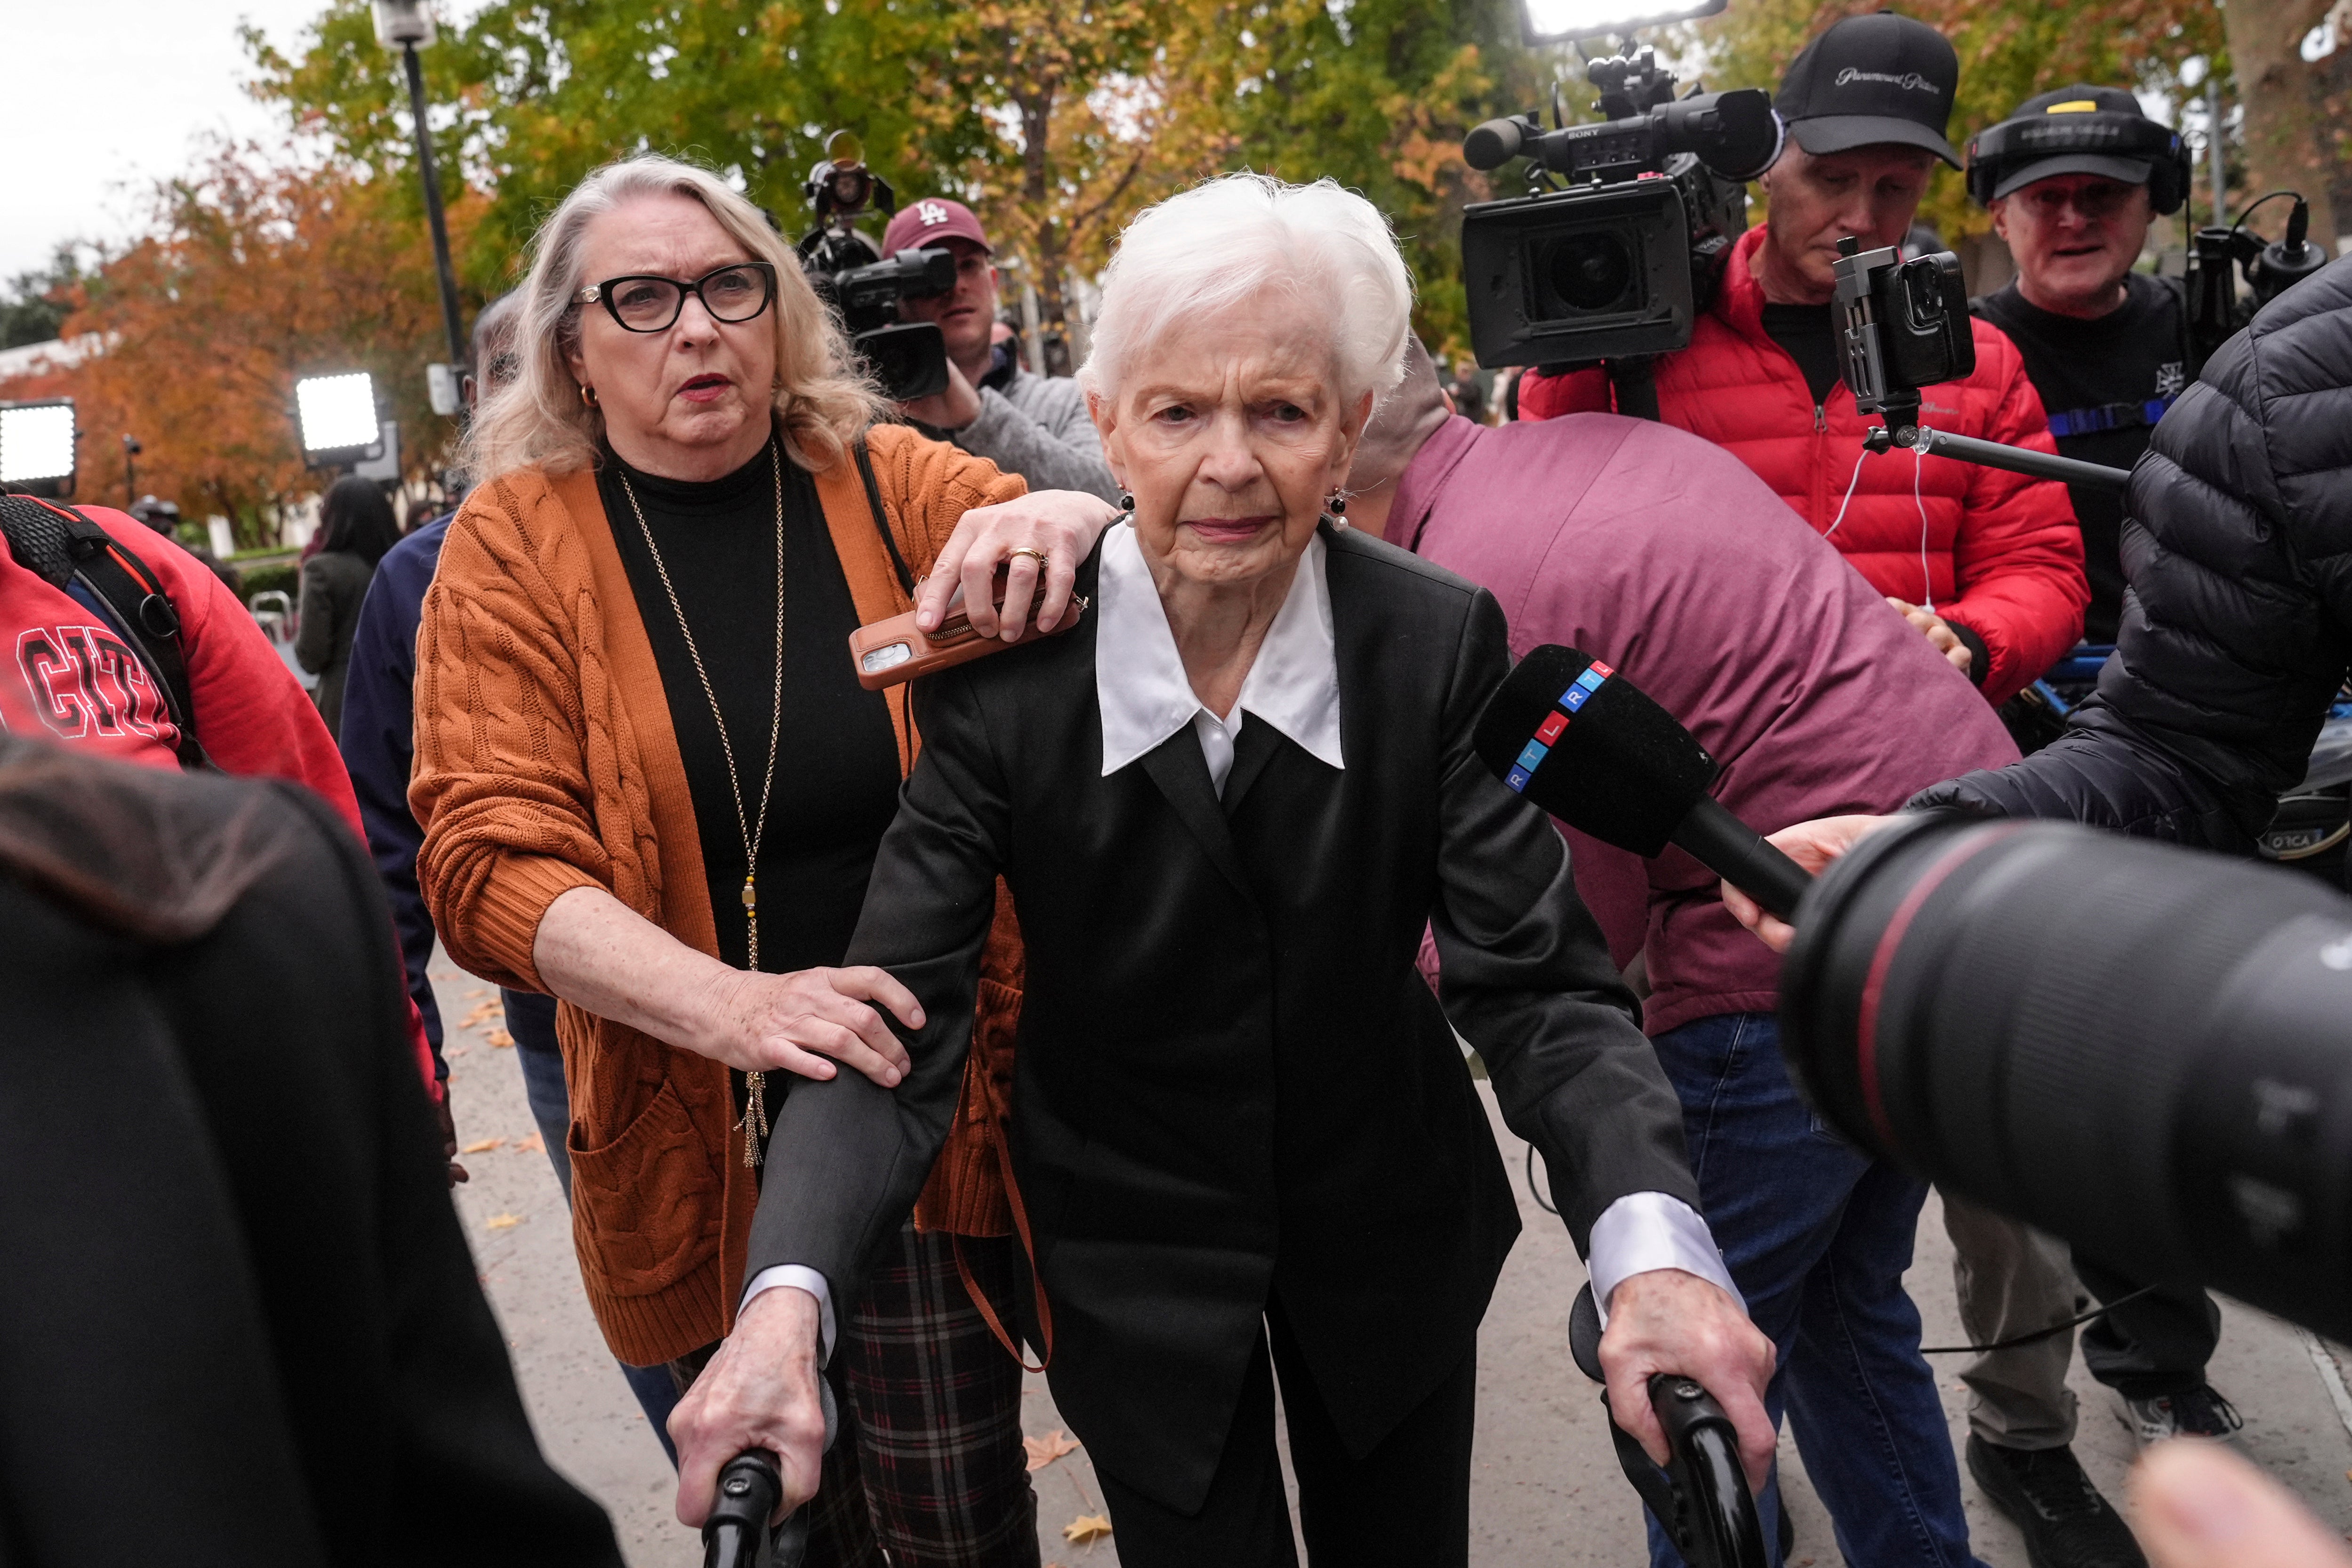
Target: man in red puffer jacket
{"points": [[1987, 564]]}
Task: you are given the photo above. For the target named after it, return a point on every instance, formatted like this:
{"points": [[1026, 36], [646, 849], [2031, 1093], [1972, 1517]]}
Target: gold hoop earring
{"points": [[587, 394]]}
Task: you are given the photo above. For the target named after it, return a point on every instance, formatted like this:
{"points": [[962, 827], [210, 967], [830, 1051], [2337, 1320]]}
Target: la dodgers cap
{"points": [[930, 221], [1870, 80]]}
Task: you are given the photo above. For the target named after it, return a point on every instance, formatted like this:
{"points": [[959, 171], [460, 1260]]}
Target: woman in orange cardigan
{"points": [[652, 787]]}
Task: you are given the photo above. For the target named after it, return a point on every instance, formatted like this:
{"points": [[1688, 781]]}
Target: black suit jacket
{"points": [[1231, 1079], [240, 1324]]}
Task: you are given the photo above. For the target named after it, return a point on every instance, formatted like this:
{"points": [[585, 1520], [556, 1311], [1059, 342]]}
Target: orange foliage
{"points": [[251, 276]]}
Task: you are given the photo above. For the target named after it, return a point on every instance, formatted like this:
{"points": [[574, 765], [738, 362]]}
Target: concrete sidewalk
{"points": [[1546, 1486]]}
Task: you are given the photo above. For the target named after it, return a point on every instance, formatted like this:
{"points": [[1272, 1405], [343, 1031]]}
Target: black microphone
{"points": [[1585, 743]]}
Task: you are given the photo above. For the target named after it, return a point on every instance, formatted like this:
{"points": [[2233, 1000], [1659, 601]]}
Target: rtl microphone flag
{"points": [[1570, 733]]}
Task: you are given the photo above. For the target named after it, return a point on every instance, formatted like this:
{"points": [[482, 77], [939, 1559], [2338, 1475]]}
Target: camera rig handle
{"points": [[1990, 454], [1701, 1497], [737, 1534]]}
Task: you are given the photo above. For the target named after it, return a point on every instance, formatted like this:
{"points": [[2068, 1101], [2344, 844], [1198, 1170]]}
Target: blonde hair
{"points": [[823, 401], [1227, 240]]}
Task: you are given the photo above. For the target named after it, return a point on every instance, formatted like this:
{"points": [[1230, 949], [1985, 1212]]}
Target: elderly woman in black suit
{"points": [[1227, 806]]}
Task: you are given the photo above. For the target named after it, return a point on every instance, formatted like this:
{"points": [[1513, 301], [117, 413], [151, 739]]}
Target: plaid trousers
{"points": [[928, 1470]]}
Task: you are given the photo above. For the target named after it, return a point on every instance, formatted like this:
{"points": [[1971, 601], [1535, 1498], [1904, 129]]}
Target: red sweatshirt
{"points": [[1996, 555], [74, 680]]}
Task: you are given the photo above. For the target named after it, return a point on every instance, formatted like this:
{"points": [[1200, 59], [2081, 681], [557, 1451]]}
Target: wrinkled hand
{"points": [[792, 1022], [2197, 1505], [951, 407], [1667, 1321], [758, 1392], [1063, 524], [447, 1122], [1812, 845], [1938, 632]]}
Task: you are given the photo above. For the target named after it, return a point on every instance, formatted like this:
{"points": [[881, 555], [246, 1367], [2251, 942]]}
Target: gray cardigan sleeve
{"points": [[1044, 434]]}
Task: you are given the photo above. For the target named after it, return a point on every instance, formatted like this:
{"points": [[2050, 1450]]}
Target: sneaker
{"points": [[2065, 1523], [2200, 1412]]}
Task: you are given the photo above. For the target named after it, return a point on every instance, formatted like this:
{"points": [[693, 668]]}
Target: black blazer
{"points": [[1231, 1079], [240, 1324]]}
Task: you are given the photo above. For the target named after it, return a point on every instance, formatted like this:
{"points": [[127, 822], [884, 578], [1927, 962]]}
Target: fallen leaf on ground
{"points": [[483, 1013], [534, 1144], [1043, 1451], [1087, 1527], [477, 991], [502, 1222], [499, 1040], [482, 1147]]}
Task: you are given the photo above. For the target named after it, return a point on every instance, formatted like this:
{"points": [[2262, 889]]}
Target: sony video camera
{"points": [[1620, 242], [850, 273]]}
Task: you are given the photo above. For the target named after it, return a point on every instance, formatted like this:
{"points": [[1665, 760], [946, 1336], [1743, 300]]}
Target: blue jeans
{"points": [[1817, 1235], [531, 1019]]}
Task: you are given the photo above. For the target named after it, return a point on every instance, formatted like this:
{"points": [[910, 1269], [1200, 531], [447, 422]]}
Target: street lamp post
{"points": [[407, 25], [130, 450]]}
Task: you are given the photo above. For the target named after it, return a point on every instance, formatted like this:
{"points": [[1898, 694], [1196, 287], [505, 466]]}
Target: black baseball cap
{"points": [[1870, 80], [2077, 99]]}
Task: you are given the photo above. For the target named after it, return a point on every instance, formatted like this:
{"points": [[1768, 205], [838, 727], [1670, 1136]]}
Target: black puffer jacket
{"points": [[2237, 626]]}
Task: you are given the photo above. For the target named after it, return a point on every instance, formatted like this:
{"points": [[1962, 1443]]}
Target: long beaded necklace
{"points": [[754, 1125]]}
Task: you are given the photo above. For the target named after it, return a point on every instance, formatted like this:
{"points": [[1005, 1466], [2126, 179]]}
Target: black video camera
{"points": [[1621, 239], [2216, 254], [850, 273]]}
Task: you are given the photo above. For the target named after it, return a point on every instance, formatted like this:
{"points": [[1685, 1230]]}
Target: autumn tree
{"points": [[254, 272], [1377, 94], [1058, 120], [2298, 130]]}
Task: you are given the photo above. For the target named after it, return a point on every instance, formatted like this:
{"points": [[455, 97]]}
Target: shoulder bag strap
{"points": [[57, 543], [997, 1118], [881, 517]]}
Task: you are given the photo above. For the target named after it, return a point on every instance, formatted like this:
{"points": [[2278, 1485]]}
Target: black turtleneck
{"points": [[837, 783]]}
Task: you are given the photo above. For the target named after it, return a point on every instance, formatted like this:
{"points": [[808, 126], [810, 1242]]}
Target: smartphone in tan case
{"points": [[890, 652]]}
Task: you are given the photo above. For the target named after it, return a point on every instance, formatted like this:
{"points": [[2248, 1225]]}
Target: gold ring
{"points": [[1037, 555]]}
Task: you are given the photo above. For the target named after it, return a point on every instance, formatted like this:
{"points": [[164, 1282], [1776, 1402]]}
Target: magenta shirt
{"points": [[1667, 557]]}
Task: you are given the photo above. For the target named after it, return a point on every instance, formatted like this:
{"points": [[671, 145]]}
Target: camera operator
{"points": [[1985, 565], [1032, 426], [1607, 533], [2106, 347]]}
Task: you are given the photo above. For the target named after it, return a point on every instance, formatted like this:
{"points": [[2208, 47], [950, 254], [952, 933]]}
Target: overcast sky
{"points": [[104, 97]]}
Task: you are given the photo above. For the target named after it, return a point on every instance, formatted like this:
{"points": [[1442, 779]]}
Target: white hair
{"points": [[1231, 238]]}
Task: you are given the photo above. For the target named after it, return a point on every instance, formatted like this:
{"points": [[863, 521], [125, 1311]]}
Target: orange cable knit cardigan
{"points": [[545, 761]]}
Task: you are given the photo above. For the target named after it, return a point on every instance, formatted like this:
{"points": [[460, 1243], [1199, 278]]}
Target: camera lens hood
{"points": [[2144, 1049]]}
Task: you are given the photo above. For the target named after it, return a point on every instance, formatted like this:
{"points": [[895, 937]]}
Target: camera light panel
{"points": [[36, 442], [1558, 21], [338, 412]]}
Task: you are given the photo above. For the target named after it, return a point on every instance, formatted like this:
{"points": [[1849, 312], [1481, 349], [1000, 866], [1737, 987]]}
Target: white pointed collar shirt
{"points": [[1146, 697]]}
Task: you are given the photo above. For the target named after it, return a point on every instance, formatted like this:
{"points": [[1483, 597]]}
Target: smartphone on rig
{"points": [[895, 650]]}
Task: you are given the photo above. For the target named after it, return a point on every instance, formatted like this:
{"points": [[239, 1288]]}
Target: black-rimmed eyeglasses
{"points": [[644, 303]]}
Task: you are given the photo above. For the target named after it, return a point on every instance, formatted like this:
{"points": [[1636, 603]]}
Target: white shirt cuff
{"points": [[809, 1280], [1638, 1232]]}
